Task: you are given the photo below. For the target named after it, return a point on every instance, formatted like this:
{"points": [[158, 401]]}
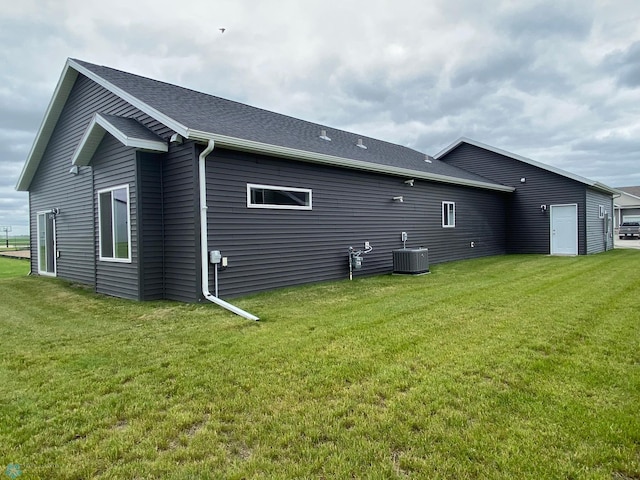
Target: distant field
{"points": [[17, 242]]}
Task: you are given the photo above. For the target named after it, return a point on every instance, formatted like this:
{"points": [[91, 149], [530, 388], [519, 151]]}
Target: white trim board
{"points": [[95, 132]]}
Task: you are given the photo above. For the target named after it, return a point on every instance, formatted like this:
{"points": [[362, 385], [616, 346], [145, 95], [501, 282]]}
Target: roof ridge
{"points": [[203, 117], [247, 105], [522, 158]]}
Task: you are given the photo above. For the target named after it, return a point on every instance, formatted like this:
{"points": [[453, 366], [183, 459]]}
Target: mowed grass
{"points": [[503, 367], [13, 267]]}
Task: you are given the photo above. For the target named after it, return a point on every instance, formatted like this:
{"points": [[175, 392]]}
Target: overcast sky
{"points": [[556, 81]]}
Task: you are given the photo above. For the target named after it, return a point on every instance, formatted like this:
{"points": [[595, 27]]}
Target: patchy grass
{"points": [[504, 367]]}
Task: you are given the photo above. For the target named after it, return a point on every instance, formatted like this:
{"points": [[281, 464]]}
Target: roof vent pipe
{"points": [[204, 257], [361, 145], [323, 135]]}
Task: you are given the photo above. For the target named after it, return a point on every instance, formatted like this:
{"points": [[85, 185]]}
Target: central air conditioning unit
{"points": [[411, 261]]}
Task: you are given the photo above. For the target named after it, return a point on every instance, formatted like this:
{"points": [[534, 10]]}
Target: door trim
{"points": [[54, 253], [551, 208]]}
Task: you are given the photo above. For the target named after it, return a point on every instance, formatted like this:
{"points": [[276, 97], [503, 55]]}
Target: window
{"points": [[286, 198], [115, 225], [600, 211], [448, 214]]}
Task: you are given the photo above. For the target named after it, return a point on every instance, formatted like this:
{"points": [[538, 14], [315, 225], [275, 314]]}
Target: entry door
{"points": [[564, 229], [46, 243]]}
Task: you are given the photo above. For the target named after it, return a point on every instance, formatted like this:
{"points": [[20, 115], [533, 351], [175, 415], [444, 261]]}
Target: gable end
{"points": [[127, 131]]}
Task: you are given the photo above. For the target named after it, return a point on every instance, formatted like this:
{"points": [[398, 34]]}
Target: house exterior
{"points": [[551, 211], [133, 183], [627, 205]]}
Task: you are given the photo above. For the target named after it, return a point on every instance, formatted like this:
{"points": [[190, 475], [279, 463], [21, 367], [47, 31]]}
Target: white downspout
{"points": [[204, 253]]}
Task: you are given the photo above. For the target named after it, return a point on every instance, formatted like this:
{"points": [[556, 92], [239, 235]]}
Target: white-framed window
{"points": [[272, 196], [600, 211], [114, 224], [448, 214]]}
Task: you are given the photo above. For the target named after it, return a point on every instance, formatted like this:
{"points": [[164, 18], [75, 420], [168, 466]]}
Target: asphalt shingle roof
{"points": [[215, 115], [631, 190], [132, 128]]}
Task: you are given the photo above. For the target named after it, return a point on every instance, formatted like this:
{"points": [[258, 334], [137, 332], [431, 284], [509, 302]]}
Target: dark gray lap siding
{"points": [[274, 248], [115, 165], [54, 186], [150, 226], [597, 238], [528, 228], [181, 224]]}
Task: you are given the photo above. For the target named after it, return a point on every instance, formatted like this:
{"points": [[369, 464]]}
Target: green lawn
{"points": [[11, 268], [505, 367]]}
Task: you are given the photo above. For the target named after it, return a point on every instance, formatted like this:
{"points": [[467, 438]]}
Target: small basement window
{"points": [[114, 224], [271, 196], [448, 214]]}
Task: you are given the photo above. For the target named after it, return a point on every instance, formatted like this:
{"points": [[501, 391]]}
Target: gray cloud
{"points": [[548, 20], [500, 66], [628, 147], [625, 65], [16, 118]]}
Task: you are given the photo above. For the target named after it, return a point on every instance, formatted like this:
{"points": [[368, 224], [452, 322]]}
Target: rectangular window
{"points": [[270, 196], [600, 211], [448, 214], [114, 224]]}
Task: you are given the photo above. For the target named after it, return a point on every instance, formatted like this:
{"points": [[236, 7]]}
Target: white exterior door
{"points": [[564, 229], [46, 243]]}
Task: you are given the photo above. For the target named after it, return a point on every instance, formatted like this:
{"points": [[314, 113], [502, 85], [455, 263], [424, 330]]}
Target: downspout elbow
{"points": [[204, 254]]}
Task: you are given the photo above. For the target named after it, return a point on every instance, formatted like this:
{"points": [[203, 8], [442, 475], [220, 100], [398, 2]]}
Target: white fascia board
{"points": [[515, 156], [286, 152], [622, 192], [88, 143], [153, 145], [135, 101], [627, 200], [51, 116], [95, 132]]}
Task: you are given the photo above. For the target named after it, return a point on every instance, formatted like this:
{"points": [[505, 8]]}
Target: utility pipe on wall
{"points": [[204, 246]]}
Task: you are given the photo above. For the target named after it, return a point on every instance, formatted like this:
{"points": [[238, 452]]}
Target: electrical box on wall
{"points": [[215, 256]]}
